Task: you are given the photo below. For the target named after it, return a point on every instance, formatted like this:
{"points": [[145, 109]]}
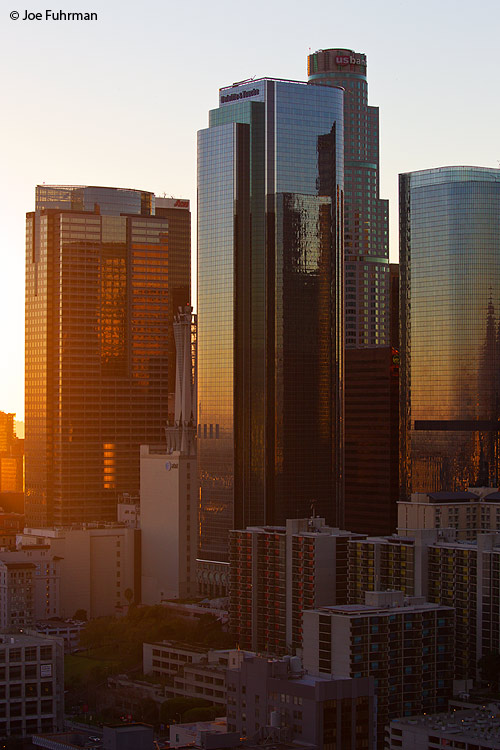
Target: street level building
{"points": [[407, 646], [270, 296], [31, 683], [269, 700], [100, 288], [468, 730], [450, 305]]}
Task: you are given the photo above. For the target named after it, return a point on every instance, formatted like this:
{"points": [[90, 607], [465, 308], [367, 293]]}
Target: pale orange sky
{"points": [[118, 101]]}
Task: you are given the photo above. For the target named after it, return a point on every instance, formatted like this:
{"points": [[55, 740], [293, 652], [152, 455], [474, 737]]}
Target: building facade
{"points": [[31, 683], [406, 646], [366, 215], [450, 304], [99, 345], [278, 572], [273, 700], [270, 336]]}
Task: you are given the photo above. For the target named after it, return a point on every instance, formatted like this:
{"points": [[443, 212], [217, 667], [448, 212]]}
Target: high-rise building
{"points": [[450, 342], [100, 288], [276, 572], [11, 456], [366, 216], [371, 377], [270, 323]]}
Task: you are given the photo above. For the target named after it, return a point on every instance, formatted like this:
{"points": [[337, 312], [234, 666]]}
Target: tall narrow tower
{"points": [[366, 215]]}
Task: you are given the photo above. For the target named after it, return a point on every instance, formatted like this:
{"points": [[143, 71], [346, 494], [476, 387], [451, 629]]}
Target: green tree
{"points": [[202, 713], [80, 614]]}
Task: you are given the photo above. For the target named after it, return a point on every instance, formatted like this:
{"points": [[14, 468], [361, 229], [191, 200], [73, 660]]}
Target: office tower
{"points": [[366, 216], [276, 573], [450, 306], [371, 377], [11, 457], [270, 372], [406, 646], [274, 701], [99, 346], [169, 479]]}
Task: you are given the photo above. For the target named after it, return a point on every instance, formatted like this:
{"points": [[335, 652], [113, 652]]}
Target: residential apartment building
{"points": [[406, 645], [278, 571]]}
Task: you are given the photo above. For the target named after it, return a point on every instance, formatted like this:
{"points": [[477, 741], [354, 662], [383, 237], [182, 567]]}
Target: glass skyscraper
{"points": [[100, 295], [450, 328], [270, 324], [366, 215]]}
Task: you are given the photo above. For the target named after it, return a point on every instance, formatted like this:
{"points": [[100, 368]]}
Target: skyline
{"points": [[119, 101]]}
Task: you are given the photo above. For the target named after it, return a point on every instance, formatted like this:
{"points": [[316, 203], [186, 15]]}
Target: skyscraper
{"points": [[99, 346], [366, 216], [450, 342], [270, 278], [371, 376]]}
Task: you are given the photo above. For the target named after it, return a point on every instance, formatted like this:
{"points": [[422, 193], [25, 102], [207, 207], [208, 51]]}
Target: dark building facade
{"points": [[270, 279], [371, 440], [366, 216], [99, 346], [450, 335]]}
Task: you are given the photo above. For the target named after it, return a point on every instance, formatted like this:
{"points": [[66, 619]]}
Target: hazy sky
{"points": [[118, 101]]}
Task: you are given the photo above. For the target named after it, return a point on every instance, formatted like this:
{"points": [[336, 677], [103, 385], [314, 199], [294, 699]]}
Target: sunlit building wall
{"points": [[100, 287], [270, 323], [450, 335]]}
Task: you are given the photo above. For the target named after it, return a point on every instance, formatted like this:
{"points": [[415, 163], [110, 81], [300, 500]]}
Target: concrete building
{"points": [[193, 734], [31, 683], [68, 630], [192, 672], [134, 736], [169, 485], [11, 457], [17, 594], [278, 571], [99, 565], [274, 699], [475, 729], [407, 646], [470, 512]]}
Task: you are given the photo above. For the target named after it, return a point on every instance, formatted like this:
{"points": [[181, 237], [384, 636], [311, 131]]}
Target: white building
{"points": [[99, 566], [169, 486]]}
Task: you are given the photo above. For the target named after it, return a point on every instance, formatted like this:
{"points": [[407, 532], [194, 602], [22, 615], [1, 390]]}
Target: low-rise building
{"points": [[98, 566], [189, 671], [474, 729], [31, 683], [275, 699]]}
